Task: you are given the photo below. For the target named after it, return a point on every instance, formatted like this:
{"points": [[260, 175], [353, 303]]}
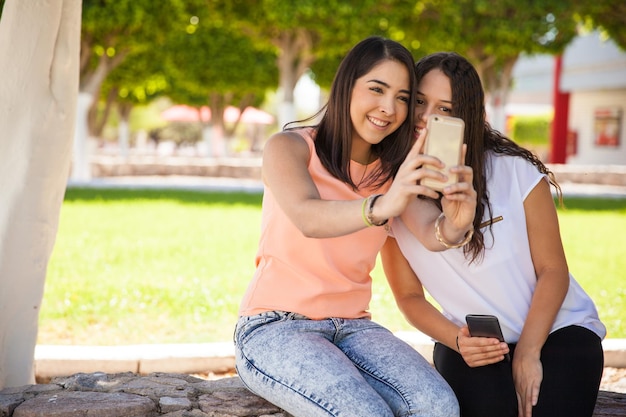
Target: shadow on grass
{"points": [[594, 204], [254, 199], [183, 196]]}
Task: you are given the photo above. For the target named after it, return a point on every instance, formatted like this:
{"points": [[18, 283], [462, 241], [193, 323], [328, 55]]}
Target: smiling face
{"points": [[378, 106], [434, 96]]}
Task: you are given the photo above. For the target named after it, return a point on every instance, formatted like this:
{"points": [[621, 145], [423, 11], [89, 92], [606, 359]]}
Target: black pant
{"points": [[572, 360]]}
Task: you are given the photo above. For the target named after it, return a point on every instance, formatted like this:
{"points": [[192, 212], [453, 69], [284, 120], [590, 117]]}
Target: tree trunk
{"points": [[39, 87], [123, 129], [81, 166], [89, 91], [295, 57], [500, 85]]}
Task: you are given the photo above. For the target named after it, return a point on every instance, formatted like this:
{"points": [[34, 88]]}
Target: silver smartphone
{"points": [[444, 140], [485, 325]]}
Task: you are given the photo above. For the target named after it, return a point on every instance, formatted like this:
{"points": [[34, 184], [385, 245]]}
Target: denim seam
{"points": [[281, 383]]}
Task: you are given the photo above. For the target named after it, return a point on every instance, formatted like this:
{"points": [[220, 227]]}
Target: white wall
{"points": [[591, 63], [533, 77], [582, 108]]}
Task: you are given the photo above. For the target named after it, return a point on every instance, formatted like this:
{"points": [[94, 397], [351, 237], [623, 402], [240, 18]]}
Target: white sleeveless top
{"points": [[503, 282]]}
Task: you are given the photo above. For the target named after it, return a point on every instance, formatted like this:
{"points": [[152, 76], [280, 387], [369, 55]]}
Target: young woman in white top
{"points": [[511, 265]]}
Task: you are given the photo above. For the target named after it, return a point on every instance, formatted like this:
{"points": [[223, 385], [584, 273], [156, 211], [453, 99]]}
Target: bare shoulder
{"points": [[540, 195], [290, 142]]}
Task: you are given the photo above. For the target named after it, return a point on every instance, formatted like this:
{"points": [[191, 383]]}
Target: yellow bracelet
{"points": [[363, 208], [440, 239]]}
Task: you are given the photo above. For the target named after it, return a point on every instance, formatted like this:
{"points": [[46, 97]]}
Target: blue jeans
{"points": [[337, 367]]}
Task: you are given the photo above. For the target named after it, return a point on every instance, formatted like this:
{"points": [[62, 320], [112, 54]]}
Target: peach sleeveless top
{"points": [[318, 278]]}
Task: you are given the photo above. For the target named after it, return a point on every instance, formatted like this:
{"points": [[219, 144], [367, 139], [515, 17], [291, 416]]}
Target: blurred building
{"points": [[589, 103]]}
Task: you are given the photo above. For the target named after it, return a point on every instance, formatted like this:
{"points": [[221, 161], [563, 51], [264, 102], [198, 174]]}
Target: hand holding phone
{"points": [[485, 325], [444, 140]]}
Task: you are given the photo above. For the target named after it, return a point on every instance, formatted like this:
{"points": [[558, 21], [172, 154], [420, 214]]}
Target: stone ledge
{"points": [[161, 394], [110, 166], [590, 174], [130, 395]]}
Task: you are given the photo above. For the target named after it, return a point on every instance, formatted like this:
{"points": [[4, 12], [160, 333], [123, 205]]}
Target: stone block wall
{"points": [[250, 168]]}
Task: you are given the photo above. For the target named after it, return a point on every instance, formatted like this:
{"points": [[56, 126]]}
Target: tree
{"points": [[112, 31], [39, 86], [492, 35], [302, 31], [608, 15], [137, 81], [210, 63]]}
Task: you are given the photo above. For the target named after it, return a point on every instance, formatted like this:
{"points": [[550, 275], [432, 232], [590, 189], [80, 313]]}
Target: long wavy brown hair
{"points": [[468, 103], [333, 140]]}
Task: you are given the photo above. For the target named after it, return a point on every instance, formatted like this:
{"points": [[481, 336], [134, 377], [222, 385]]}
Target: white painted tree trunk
{"points": [[286, 112], [81, 168], [123, 132], [207, 141], [38, 90]]}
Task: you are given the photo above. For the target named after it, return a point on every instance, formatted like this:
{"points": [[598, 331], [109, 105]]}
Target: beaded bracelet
{"points": [[440, 239]]}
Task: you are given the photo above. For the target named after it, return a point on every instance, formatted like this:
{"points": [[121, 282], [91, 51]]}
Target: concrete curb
{"points": [[55, 360]]}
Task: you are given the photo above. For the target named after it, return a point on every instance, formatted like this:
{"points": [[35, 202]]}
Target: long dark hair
{"points": [[468, 103], [333, 141]]}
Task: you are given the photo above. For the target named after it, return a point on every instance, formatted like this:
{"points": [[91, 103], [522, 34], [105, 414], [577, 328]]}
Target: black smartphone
{"points": [[485, 325]]}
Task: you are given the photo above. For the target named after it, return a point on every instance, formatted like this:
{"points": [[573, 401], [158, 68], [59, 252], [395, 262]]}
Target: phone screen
{"points": [[485, 325]]}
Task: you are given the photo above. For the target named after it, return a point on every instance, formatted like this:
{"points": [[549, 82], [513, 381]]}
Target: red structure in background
{"points": [[558, 133]]}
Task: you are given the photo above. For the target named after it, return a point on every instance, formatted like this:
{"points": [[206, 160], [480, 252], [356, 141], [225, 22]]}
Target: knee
{"points": [[444, 404]]}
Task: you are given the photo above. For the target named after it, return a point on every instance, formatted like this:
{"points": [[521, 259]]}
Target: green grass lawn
{"points": [[164, 266]]}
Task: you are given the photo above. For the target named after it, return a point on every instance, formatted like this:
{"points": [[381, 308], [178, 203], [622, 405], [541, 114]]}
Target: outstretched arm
{"points": [[285, 160], [285, 172]]}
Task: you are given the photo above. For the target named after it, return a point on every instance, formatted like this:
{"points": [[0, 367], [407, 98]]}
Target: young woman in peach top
{"points": [[305, 340]]}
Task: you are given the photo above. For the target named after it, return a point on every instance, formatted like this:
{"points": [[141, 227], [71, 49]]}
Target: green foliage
{"points": [[171, 266], [531, 130], [307, 31], [500, 29], [126, 27], [332, 25], [490, 34], [178, 132], [608, 15], [207, 57], [137, 80], [193, 49]]}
